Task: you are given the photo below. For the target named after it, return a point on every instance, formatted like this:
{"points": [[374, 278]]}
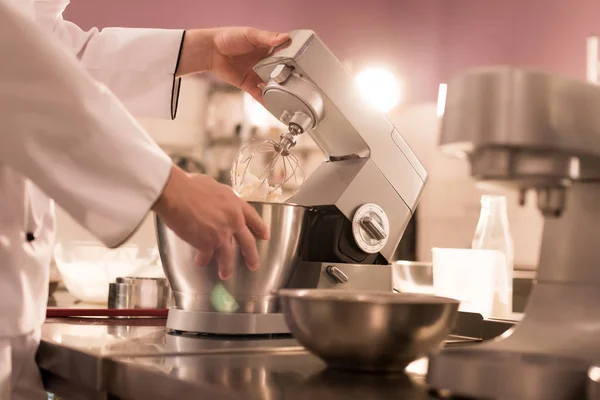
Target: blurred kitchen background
{"points": [[420, 42]]}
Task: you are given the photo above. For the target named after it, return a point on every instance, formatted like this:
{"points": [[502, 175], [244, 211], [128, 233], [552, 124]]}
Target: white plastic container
{"points": [[87, 268], [467, 275], [493, 233]]}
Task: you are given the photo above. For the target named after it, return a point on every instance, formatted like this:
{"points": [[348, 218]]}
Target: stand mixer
{"points": [[347, 217], [373, 178], [534, 131]]}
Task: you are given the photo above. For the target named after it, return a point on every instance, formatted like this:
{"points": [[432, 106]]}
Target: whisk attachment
{"points": [[262, 169], [287, 140]]}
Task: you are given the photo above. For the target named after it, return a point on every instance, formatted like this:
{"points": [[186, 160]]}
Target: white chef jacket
{"points": [[64, 135]]}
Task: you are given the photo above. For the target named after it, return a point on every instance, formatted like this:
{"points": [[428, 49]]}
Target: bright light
{"points": [[441, 102], [380, 87], [258, 115], [592, 59]]}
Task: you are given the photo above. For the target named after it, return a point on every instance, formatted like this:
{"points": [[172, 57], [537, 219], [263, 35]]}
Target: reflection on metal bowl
{"points": [[334, 384], [374, 331], [201, 289]]}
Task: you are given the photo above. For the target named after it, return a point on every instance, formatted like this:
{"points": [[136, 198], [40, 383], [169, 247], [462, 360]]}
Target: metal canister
{"points": [[136, 292]]}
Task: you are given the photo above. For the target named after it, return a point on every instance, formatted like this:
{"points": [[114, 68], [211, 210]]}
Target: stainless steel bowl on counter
{"points": [[372, 331], [200, 288], [412, 277]]}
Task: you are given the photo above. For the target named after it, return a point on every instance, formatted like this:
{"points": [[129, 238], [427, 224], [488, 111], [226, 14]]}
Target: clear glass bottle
{"points": [[493, 233]]}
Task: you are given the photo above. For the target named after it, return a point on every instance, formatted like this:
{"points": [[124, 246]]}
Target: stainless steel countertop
{"points": [[293, 375], [88, 358], [78, 349]]}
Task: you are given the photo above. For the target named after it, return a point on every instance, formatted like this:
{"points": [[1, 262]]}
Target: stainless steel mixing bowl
{"points": [[373, 331], [200, 288], [412, 277]]}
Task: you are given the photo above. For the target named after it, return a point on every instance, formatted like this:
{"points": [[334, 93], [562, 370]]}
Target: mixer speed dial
{"points": [[370, 228]]}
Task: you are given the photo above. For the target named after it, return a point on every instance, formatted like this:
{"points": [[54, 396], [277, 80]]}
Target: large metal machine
{"points": [[365, 194], [358, 203], [536, 132]]}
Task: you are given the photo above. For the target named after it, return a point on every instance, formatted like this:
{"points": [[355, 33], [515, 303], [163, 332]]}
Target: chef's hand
{"points": [[229, 53], [209, 215]]}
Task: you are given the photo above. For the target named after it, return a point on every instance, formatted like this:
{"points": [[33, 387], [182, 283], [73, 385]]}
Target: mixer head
{"points": [[524, 129]]}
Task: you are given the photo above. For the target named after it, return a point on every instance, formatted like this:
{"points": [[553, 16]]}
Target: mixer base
{"points": [[546, 356], [226, 324]]}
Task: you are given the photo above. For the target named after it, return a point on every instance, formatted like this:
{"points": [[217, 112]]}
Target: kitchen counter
{"points": [[84, 358], [91, 353], [137, 359]]}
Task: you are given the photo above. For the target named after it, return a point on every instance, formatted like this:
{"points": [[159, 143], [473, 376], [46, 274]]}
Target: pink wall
{"points": [[388, 32], [423, 41], [553, 34], [544, 34]]}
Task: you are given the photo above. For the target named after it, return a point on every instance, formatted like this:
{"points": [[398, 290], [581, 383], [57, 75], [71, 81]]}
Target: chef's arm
{"points": [[72, 136], [137, 65], [142, 66]]}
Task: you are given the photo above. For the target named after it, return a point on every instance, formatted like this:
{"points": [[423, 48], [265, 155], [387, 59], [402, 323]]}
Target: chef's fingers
{"points": [[255, 222], [256, 93], [282, 46], [247, 245], [224, 257], [203, 258], [251, 85], [253, 80], [259, 37]]}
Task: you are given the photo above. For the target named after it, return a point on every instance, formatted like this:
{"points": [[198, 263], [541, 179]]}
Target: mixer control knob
{"points": [[281, 73], [370, 228], [337, 274]]}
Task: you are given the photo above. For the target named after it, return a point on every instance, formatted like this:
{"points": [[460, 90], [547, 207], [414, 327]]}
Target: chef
{"points": [[68, 134]]}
